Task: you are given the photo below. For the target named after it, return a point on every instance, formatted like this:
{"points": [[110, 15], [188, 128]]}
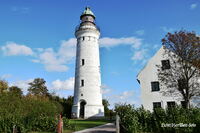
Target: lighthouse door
{"points": [[82, 109]]}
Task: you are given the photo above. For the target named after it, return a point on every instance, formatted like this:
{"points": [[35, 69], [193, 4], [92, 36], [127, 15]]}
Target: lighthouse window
{"points": [[83, 38], [82, 62], [82, 82], [81, 94]]}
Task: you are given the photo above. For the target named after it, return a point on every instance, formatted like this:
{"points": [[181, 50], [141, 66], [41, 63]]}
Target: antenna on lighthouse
{"points": [[86, 4]]}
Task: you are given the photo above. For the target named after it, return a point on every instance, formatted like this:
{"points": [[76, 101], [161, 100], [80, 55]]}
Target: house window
{"points": [[183, 104], [182, 83], [165, 64], [170, 104], [156, 105], [155, 86], [82, 62], [82, 82]]}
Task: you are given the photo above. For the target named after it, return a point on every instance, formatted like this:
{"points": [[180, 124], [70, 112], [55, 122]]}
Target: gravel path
{"points": [[107, 128]]}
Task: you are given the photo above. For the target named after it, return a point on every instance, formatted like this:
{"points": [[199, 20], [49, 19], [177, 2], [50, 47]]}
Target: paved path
{"points": [[107, 128]]}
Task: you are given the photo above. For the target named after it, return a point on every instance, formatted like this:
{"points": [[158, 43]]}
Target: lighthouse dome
{"points": [[87, 12]]}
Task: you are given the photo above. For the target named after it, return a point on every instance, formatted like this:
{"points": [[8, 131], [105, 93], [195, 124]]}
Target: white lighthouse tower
{"points": [[87, 89]]}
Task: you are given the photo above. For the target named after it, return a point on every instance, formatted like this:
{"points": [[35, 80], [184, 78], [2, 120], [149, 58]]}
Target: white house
{"points": [[150, 87]]}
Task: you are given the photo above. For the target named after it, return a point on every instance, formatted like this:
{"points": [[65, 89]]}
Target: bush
{"points": [[27, 113], [128, 118], [140, 120]]}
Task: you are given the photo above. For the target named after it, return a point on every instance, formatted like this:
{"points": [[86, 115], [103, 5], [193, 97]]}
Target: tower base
{"points": [[90, 112]]}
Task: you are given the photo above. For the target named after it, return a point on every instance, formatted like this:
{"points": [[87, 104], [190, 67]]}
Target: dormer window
{"points": [[165, 64]]}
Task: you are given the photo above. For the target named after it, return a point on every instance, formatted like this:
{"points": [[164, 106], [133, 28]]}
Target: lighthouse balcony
{"points": [[87, 27]]}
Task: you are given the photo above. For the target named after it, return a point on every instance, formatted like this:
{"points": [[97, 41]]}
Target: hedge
{"points": [[28, 113], [171, 120]]}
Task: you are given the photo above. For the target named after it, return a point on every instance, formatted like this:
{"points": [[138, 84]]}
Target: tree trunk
{"points": [[187, 103]]}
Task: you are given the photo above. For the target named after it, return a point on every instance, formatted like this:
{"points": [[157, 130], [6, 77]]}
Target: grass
{"points": [[82, 124]]}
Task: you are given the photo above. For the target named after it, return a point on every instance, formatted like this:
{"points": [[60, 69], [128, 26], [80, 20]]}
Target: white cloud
{"points": [[67, 49], [193, 6], [23, 84], [63, 85], [125, 95], [140, 32], [52, 61], [105, 89], [5, 76], [35, 61], [39, 49], [140, 54], [166, 29], [12, 48], [111, 42], [20, 9], [57, 61]]}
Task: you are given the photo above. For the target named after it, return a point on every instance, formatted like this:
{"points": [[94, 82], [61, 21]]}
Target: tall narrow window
{"points": [[82, 82], [83, 62], [155, 86], [165, 64]]}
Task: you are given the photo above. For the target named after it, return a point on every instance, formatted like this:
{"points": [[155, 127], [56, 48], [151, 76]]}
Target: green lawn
{"points": [[82, 124]]}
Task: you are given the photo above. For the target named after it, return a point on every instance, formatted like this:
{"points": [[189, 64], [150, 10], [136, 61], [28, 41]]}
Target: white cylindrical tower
{"points": [[87, 89]]}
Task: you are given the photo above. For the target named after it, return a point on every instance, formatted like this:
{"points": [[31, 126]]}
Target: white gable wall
{"points": [[148, 75]]}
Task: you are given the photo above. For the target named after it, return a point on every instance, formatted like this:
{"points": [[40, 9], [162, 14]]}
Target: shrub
{"points": [[128, 118], [28, 113], [140, 120]]}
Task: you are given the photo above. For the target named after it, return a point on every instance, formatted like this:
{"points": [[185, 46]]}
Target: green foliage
{"points": [[128, 117], [110, 114], [3, 86], [66, 104], [140, 120], [38, 87], [15, 90], [27, 113], [106, 109], [144, 118]]}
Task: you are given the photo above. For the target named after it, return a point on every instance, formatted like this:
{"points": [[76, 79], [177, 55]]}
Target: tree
{"points": [[106, 104], [183, 50], [15, 90], [68, 106], [38, 87], [3, 86]]}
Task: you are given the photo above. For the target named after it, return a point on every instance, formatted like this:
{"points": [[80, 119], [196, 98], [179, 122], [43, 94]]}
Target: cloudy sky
{"points": [[37, 40]]}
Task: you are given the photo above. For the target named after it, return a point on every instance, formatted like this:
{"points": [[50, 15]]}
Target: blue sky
{"points": [[37, 40]]}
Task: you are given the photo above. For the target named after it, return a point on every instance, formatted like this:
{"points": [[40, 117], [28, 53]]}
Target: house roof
{"points": [[149, 62]]}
